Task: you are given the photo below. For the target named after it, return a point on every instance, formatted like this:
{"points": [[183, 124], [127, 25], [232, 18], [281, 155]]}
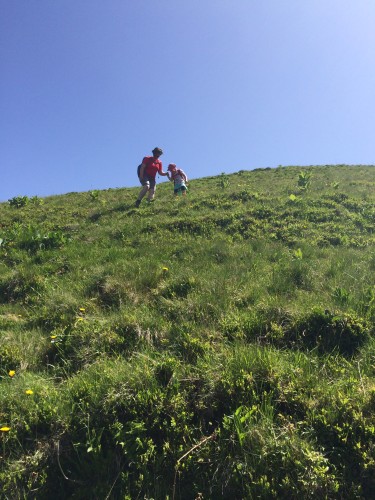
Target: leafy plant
{"points": [[304, 180], [33, 239], [19, 201], [341, 295], [94, 194], [35, 200], [223, 180]]}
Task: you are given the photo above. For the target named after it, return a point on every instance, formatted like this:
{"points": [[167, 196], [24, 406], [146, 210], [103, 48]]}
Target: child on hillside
{"points": [[179, 178]]}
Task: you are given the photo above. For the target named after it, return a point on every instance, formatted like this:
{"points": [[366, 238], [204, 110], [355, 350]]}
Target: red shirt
{"points": [[152, 166]]}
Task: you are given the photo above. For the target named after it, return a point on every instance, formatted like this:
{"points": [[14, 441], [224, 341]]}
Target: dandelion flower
{"points": [[82, 309], [4, 429], [165, 269], [11, 373], [53, 336], [29, 391]]}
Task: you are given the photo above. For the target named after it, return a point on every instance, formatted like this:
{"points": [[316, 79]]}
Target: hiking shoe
{"points": [[137, 203]]}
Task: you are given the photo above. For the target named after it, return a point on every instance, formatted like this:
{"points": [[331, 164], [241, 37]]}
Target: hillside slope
{"points": [[216, 346]]}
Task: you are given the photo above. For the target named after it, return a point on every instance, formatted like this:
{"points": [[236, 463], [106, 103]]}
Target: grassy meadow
{"points": [[215, 346]]}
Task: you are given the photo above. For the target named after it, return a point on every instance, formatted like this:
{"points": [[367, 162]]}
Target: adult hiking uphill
{"points": [[150, 166]]}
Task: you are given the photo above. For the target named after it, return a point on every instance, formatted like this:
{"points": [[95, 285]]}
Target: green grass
{"points": [[218, 346]]}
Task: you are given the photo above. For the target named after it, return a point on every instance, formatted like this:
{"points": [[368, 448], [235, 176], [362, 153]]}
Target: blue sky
{"points": [[89, 87]]}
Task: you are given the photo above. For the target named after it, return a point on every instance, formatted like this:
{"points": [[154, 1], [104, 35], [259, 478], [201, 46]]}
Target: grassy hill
{"points": [[218, 346]]}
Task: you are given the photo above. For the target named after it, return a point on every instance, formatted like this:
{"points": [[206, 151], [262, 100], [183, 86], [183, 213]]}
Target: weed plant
{"points": [[215, 346]]}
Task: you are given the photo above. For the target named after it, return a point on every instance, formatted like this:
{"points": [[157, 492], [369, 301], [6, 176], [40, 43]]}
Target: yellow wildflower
{"points": [[53, 336], [82, 309], [5, 429], [11, 373], [165, 269], [29, 391]]}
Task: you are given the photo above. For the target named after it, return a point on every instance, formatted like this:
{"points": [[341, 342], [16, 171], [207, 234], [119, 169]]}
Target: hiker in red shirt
{"points": [[151, 165]]}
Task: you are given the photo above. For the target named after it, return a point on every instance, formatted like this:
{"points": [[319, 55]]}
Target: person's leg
{"points": [[143, 191], [151, 191]]}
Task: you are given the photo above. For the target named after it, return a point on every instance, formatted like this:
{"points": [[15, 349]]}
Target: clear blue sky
{"points": [[89, 87]]}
